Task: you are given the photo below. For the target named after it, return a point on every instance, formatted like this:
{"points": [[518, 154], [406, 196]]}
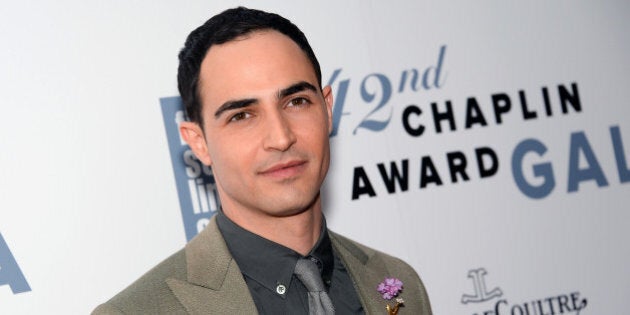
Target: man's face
{"points": [[266, 125]]}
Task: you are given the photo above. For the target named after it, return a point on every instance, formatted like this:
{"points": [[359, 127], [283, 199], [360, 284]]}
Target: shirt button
{"points": [[281, 289], [317, 262]]}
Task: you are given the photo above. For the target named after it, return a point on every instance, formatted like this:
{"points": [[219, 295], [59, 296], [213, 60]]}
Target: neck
{"points": [[298, 232]]}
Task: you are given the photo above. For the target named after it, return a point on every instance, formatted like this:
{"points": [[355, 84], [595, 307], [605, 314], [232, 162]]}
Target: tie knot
{"points": [[307, 271]]}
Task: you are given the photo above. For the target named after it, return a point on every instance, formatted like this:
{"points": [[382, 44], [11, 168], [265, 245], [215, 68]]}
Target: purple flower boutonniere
{"points": [[389, 289]]}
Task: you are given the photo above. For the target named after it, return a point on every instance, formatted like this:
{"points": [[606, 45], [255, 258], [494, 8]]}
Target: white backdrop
{"points": [[88, 200]]}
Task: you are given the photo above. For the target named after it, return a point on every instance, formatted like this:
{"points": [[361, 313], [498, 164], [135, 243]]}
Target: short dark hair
{"points": [[222, 28]]}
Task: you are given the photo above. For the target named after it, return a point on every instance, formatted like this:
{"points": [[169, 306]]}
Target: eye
{"points": [[299, 101], [239, 116]]}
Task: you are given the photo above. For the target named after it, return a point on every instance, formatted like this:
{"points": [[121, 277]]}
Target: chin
{"points": [[292, 206]]}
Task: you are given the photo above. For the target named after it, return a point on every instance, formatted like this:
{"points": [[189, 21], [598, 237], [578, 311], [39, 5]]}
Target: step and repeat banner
{"points": [[485, 143]]}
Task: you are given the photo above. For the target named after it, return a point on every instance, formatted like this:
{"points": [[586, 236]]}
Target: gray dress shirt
{"points": [[267, 268]]}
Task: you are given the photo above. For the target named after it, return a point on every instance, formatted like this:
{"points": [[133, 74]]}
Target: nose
{"points": [[280, 136]]}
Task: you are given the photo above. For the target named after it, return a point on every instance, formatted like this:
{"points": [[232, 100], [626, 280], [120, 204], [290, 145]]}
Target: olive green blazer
{"points": [[203, 278]]}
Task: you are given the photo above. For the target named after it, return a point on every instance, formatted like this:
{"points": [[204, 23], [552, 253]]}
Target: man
{"points": [[251, 86]]}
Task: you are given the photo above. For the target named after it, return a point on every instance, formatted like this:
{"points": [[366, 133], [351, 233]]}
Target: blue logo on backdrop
{"points": [[10, 272], [198, 197]]}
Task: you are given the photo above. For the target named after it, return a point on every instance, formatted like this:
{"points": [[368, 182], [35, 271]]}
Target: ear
{"points": [[193, 135], [328, 99]]}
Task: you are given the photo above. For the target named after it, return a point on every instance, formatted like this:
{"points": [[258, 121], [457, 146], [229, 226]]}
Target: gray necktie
{"points": [[319, 302]]}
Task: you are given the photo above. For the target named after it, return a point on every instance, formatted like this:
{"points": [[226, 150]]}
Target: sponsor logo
{"points": [[481, 294], [569, 303], [10, 272], [196, 187]]}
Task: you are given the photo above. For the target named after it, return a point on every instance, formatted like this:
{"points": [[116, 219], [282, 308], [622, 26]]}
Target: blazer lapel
{"points": [[366, 273], [214, 283]]}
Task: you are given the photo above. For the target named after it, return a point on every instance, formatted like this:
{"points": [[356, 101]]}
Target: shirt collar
{"points": [[270, 263]]}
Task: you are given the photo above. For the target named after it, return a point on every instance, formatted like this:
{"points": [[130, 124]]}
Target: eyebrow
{"points": [[296, 88], [232, 105], [236, 104]]}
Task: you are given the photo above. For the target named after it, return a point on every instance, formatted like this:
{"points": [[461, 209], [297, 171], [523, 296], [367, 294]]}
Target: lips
{"points": [[285, 169]]}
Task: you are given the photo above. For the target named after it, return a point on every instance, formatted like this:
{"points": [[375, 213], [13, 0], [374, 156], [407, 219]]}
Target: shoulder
{"points": [[150, 293], [365, 254]]}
